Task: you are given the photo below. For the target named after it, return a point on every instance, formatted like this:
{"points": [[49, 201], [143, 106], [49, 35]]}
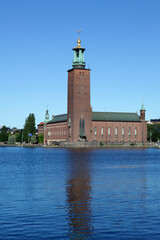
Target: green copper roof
{"points": [[78, 61], [115, 116], [46, 117], [59, 118], [103, 116]]}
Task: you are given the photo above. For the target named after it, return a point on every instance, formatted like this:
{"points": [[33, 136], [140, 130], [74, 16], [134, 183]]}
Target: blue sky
{"points": [[122, 41]]}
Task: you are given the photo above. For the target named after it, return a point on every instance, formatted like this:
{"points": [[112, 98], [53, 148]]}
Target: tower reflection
{"points": [[78, 195]]}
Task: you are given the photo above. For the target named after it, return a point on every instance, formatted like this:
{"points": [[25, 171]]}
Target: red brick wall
{"points": [[59, 132], [79, 102], [40, 129], [56, 132], [140, 126]]}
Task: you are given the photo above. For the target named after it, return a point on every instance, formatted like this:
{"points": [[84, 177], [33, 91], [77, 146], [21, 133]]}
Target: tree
{"points": [[3, 134], [19, 136], [41, 138], [12, 139], [33, 139], [29, 127], [153, 132]]}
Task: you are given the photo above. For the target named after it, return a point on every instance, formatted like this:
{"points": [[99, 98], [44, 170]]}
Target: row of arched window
{"points": [[116, 131], [56, 133]]}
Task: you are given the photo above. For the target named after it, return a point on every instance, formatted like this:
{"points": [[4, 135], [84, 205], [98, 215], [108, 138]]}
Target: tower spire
{"points": [[79, 41]]}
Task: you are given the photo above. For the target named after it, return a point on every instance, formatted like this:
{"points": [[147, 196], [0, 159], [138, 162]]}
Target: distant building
{"points": [[155, 121], [81, 123]]}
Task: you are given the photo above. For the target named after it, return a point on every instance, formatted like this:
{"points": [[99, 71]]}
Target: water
{"points": [[79, 194]]}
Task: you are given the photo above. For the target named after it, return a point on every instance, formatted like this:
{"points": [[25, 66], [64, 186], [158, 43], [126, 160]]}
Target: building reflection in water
{"points": [[78, 195]]}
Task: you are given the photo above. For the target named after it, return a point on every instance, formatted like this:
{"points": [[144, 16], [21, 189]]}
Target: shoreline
{"points": [[109, 146]]}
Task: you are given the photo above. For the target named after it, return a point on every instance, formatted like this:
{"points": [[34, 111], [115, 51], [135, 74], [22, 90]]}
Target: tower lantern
{"points": [[78, 61]]}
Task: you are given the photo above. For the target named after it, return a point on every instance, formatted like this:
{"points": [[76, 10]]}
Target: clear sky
{"points": [[122, 41]]}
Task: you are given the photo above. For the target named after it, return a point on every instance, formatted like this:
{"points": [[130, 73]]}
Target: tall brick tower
{"points": [[79, 109]]}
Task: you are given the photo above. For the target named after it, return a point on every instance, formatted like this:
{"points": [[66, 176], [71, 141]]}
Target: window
{"points": [[49, 133], [109, 131], [80, 73], [129, 131], [95, 131], [116, 131], [82, 128], [135, 131], [102, 131], [123, 131]]}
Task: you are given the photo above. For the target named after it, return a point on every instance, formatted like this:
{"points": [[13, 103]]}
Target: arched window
{"points": [[109, 131], [123, 131], [95, 131], [116, 130], [102, 131], [129, 131], [81, 128], [135, 131], [49, 133]]}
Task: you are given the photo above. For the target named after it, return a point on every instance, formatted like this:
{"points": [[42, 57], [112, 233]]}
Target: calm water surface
{"points": [[79, 194]]}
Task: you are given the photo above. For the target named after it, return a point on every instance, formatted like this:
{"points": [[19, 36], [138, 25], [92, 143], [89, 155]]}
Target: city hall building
{"points": [[81, 123]]}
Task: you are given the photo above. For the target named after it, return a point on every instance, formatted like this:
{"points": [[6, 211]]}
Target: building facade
{"points": [[82, 124]]}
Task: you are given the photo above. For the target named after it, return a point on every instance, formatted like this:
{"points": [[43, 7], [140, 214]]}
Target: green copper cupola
{"points": [[46, 117], [142, 108], [78, 61]]}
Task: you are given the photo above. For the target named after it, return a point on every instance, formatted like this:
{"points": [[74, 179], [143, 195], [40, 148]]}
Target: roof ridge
{"points": [[117, 112]]}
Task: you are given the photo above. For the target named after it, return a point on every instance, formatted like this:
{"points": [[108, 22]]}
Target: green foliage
{"points": [[34, 139], [19, 136], [4, 134], [153, 132], [101, 143], [41, 138], [132, 144], [12, 139], [29, 127]]}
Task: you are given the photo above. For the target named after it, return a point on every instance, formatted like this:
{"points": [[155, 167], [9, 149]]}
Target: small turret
{"points": [[46, 117], [142, 113]]}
